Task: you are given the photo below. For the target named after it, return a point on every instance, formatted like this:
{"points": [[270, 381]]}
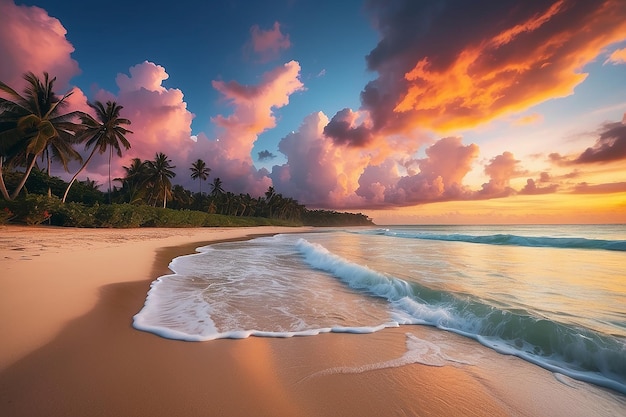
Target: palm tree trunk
{"points": [[48, 168], [67, 190], [164, 195], [110, 155], [24, 178], [3, 187]]}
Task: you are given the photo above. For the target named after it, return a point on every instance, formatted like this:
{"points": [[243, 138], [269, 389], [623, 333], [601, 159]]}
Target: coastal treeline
{"points": [[36, 133]]}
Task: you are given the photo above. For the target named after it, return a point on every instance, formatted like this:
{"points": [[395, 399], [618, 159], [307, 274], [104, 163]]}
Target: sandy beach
{"points": [[67, 298]]}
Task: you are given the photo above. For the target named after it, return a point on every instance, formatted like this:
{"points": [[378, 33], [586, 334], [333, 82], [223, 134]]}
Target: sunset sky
{"points": [[408, 111]]}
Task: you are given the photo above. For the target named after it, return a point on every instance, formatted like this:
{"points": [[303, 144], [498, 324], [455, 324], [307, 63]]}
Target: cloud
{"points": [[267, 44], [145, 75], [610, 146], [160, 121], [253, 107], [530, 119], [376, 180], [501, 169], [440, 174], [531, 188], [31, 40], [253, 113], [608, 188], [318, 172], [617, 57], [434, 77], [265, 155], [343, 129]]}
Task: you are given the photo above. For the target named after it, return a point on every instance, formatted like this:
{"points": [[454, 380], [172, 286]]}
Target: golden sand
{"points": [[68, 348]]}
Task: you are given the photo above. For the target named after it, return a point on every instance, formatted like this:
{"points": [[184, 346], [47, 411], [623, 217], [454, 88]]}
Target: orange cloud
{"points": [[609, 188], [528, 120], [267, 44], [31, 40], [441, 67], [536, 60], [617, 57]]}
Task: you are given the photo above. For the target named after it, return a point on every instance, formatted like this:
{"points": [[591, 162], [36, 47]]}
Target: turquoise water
{"points": [[552, 295]]}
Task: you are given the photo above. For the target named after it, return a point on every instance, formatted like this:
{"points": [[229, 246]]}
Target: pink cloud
{"points": [[145, 75], [376, 180], [531, 188], [253, 113], [267, 44], [31, 40], [159, 116], [253, 108], [440, 174], [501, 169], [319, 172]]}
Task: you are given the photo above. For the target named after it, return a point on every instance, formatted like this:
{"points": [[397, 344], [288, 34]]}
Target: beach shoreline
{"points": [[67, 298]]}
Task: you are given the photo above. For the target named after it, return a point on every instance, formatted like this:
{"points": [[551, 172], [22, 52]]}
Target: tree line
{"points": [[35, 129]]}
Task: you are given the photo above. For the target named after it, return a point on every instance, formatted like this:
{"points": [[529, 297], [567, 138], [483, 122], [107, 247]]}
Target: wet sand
{"points": [[67, 298]]}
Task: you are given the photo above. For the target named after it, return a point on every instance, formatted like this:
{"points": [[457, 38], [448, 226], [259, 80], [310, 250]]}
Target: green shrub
{"points": [[33, 208], [5, 214], [123, 215], [36, 209], [75, 215]]}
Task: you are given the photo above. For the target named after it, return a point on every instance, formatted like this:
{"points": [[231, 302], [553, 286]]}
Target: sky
{"points": [[412, 112]]}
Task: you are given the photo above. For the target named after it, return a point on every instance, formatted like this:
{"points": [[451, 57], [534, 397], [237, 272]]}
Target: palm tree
{"points": [[104, 133], [200, 171], [217, 196], [59, 150], [270, 200], [159, 174], [181, 197], [216, 188], [32, 122], [135, 181]]}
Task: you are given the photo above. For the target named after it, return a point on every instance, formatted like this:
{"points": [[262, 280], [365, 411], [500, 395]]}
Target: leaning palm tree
{"points": [[200, 171], [159, 174], [31, 122], [104, 133]]}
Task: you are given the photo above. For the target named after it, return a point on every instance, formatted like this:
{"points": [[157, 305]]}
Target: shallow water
{"points": [[552, 295]]}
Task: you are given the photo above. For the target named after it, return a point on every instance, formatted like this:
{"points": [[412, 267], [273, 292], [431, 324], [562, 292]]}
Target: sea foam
{"points": [[573, 351]]}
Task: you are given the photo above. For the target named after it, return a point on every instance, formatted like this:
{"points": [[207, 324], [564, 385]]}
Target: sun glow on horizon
{"points": [[546, 209]]}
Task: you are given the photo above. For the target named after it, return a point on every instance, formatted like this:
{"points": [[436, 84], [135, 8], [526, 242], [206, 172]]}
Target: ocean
{"points": [[552, 295]]}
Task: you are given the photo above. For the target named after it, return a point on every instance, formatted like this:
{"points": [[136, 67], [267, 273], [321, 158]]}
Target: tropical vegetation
{"points": [[33, 123], [102, 134], [34, 127]]}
